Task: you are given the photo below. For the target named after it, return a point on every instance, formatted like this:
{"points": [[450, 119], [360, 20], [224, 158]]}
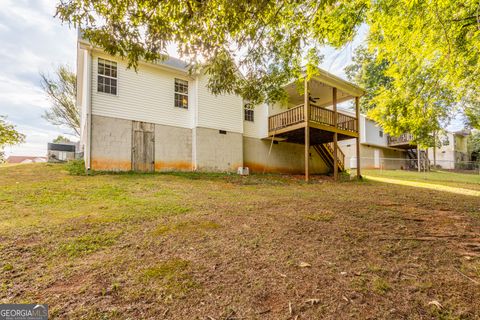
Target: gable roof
{"points": [[334, 81]]}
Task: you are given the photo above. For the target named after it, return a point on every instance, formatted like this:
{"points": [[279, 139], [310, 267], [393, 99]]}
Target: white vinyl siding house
{"points": [[162, 117], [223, 112], [171, 111], [375, 153], [146, 94], [258, 128]]}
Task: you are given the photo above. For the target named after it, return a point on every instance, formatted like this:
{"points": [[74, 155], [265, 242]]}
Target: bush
{"points": [[76, 167]]}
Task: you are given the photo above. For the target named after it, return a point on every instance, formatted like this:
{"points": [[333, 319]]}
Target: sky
{"points": [[33, 41]]}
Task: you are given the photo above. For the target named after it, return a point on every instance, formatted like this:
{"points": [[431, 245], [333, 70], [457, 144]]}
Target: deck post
{"points": [[357, 113], [306, 108], [335, 135], [418, 159]]}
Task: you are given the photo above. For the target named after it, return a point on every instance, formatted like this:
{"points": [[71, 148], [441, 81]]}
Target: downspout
{"points": [[89, 116]]}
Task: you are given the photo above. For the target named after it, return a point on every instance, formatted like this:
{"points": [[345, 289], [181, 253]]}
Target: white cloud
{"points": [[33, 41]]}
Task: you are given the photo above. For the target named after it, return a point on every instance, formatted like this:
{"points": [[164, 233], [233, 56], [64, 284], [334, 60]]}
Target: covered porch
{"points": [[313, 119]]}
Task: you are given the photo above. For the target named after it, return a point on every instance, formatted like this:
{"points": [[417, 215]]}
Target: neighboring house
{"points": [[453, 151], [381, 151], [61, 152], [377, 149], [25, 159], [161, 117]]}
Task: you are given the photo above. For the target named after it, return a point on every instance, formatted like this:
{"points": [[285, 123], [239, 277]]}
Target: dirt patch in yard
{"points": [[186, 246]]}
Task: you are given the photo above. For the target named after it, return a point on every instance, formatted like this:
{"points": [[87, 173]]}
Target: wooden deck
{"points": [[403, 141], [289, 125]]}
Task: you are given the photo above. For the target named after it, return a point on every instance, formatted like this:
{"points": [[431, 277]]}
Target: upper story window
{"points": [[248, 113], [380, 133], [107, 76], [181, 93]]}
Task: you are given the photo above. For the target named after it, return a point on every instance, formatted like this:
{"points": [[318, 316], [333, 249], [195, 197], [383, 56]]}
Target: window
{"points": [[181, 93], [380, 133], [249, 114], [107, 76]]}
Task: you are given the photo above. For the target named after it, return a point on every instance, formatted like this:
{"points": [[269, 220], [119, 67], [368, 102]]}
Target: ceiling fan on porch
{"points": [[312, 99]]}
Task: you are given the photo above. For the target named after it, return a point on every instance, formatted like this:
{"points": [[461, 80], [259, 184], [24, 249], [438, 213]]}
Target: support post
{"points": [[335, 135], [306, 108], [418, 159], [357, 114]]}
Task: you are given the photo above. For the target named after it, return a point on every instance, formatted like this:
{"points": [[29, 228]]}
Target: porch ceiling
{"points": [[320, 88]]}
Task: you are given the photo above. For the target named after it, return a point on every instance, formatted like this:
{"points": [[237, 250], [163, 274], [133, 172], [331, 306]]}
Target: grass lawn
{"points": [[469, 180], [460, 183], [212, 246]]}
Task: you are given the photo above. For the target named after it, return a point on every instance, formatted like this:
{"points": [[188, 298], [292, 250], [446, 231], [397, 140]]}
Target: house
{"points": [[381, 151], [377, 149], [61, 152], [453, 151], [25, 159], [161, 117]]}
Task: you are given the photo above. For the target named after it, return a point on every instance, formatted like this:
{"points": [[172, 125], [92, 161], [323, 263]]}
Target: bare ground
{"points": [[199, 246]]}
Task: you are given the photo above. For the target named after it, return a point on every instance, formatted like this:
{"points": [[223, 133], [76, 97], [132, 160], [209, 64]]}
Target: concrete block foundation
{"points": [[283, 158], [217, 150], [111, 144], [173, 148]]}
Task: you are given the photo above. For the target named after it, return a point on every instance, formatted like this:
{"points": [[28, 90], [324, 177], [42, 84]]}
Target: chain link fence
{"points": [[380, 163]]}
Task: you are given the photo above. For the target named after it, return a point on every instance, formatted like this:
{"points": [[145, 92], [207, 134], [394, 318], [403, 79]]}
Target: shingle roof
{"points": [[175, 63]]}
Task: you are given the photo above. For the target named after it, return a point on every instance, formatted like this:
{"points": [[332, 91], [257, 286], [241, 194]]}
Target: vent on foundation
{"points": [[222, 131]]}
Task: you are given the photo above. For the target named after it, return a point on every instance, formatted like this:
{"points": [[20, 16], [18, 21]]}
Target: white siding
{"points": [[445, 154], [223, 112], [259, 127], [146, 95], [371, 134], [279, 108]]}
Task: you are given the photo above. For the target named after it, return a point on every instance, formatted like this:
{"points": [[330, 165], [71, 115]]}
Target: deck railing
{"points": [[290, 117], [317, 114], [402, 139]]}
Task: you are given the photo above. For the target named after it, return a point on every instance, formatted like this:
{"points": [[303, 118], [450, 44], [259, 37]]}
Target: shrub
{"points": [[76, 167]]}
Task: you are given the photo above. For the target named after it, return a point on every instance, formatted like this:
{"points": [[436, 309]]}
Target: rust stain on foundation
{"points": [[259, 168], [103, 164], [173, 165]]}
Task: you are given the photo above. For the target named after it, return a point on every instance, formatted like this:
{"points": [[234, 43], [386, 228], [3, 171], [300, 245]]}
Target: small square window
{"points": [[181, 94], [380, 133], [249, 114]]}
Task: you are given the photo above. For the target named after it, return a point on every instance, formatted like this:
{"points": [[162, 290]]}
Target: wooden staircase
{"points": [[325, 151], [412, 159]]}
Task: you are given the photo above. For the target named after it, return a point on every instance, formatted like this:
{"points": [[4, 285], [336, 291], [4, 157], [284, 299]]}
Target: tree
{"points": [[9, 136], [252, 48], [473, 145], [369, 73], [61, 139], [61, 91]]}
